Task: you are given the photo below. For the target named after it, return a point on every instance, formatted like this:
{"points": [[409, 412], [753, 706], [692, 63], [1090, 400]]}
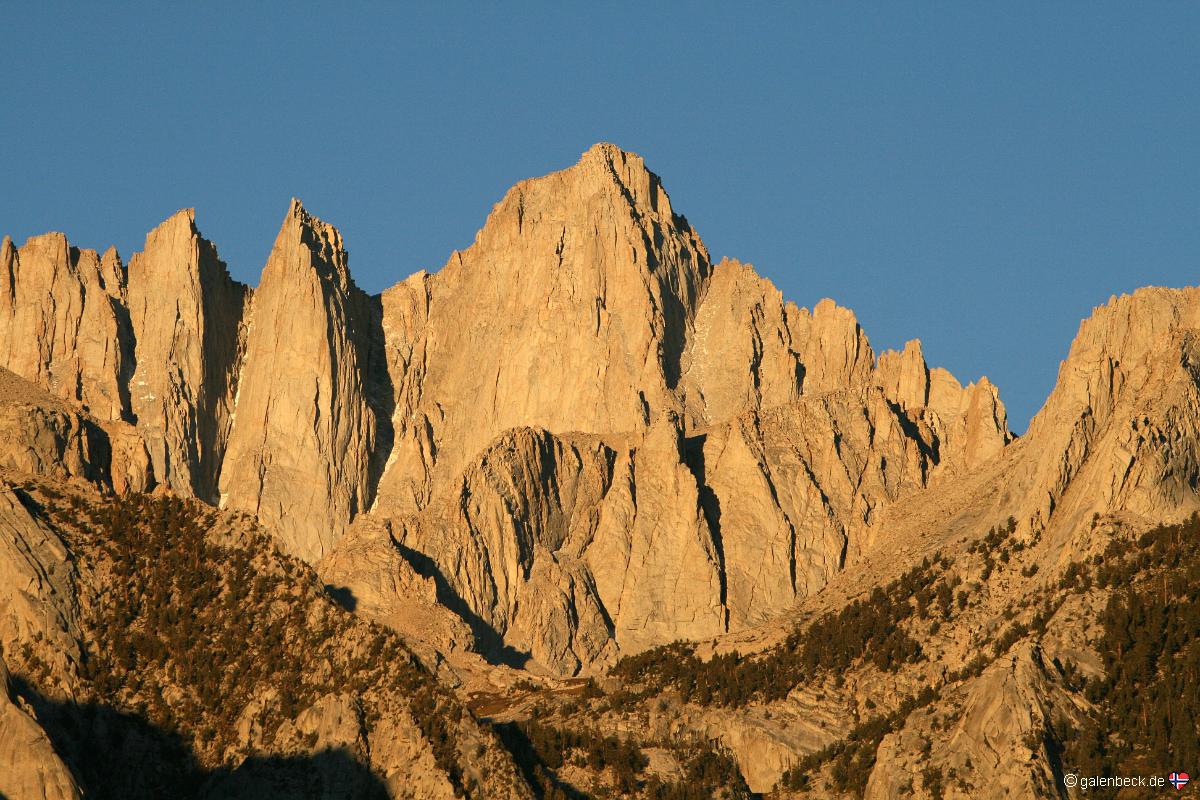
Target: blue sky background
{"points": [[975, 175]]}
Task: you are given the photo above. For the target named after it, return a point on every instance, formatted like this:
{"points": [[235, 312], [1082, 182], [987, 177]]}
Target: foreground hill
{"points": [[166, 650]]}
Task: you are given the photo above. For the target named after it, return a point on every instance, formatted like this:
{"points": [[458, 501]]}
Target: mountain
{"points": [[584, 504]]}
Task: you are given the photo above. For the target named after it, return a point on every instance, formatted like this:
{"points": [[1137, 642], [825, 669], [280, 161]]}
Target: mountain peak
{"points": [[607, 186], [605, 150], [298, 216], [297, 211], [172, 233], [305, 244], [612, 156], [608, 192], [183, 214], [641, 187]]}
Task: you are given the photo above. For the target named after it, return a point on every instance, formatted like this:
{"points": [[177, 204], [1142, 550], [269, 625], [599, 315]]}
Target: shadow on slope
{"points": [[488, 641], [118, 755], [343, 596], [710, 504]]}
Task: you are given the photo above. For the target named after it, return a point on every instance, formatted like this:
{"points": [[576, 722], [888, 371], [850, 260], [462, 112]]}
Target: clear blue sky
{"points": [[975, 175]]}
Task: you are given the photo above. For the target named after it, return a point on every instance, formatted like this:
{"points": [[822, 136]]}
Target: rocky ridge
{"points": [[581, 440], [598, 313]]}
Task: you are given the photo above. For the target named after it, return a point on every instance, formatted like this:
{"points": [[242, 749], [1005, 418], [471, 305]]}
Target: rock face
{"points": [[563, 546], [30, 769], [42, 435], [589, 437], [655, 556], [507, 547], [795, 487], [38, 603], [970, 424], [302, 452], [558, 547], [61, 322], [581, 286], [186, 314], [743, 350], [159, 350]]}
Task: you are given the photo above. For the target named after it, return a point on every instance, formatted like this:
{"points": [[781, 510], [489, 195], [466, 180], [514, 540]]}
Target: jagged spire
{"points": [[302, 446]]}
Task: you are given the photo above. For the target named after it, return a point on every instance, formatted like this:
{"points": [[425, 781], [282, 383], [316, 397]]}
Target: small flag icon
{"points": [[1179, 779]]}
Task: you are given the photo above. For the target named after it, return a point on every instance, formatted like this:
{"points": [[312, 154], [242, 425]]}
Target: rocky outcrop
{"points": [[62, 324], [507, 547], [369, 574], [186, 314], [30, 769], [750, 350], [836, 352], [996, 743], [764, 749], [351, 756], [42, 435], [301, 454], [130, 469], [969, 424], [39, 608], [1121, 430], [560, 548], [744, 348], [341, 746]]}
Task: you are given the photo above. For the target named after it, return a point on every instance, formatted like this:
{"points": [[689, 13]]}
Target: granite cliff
{"points": [[585, 477], [737, 447]]}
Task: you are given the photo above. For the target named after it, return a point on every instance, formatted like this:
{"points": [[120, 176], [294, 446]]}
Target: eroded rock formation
{"points": [[578, 440], [186, 314], [594, 438], [302, 452], [61, 322]]}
